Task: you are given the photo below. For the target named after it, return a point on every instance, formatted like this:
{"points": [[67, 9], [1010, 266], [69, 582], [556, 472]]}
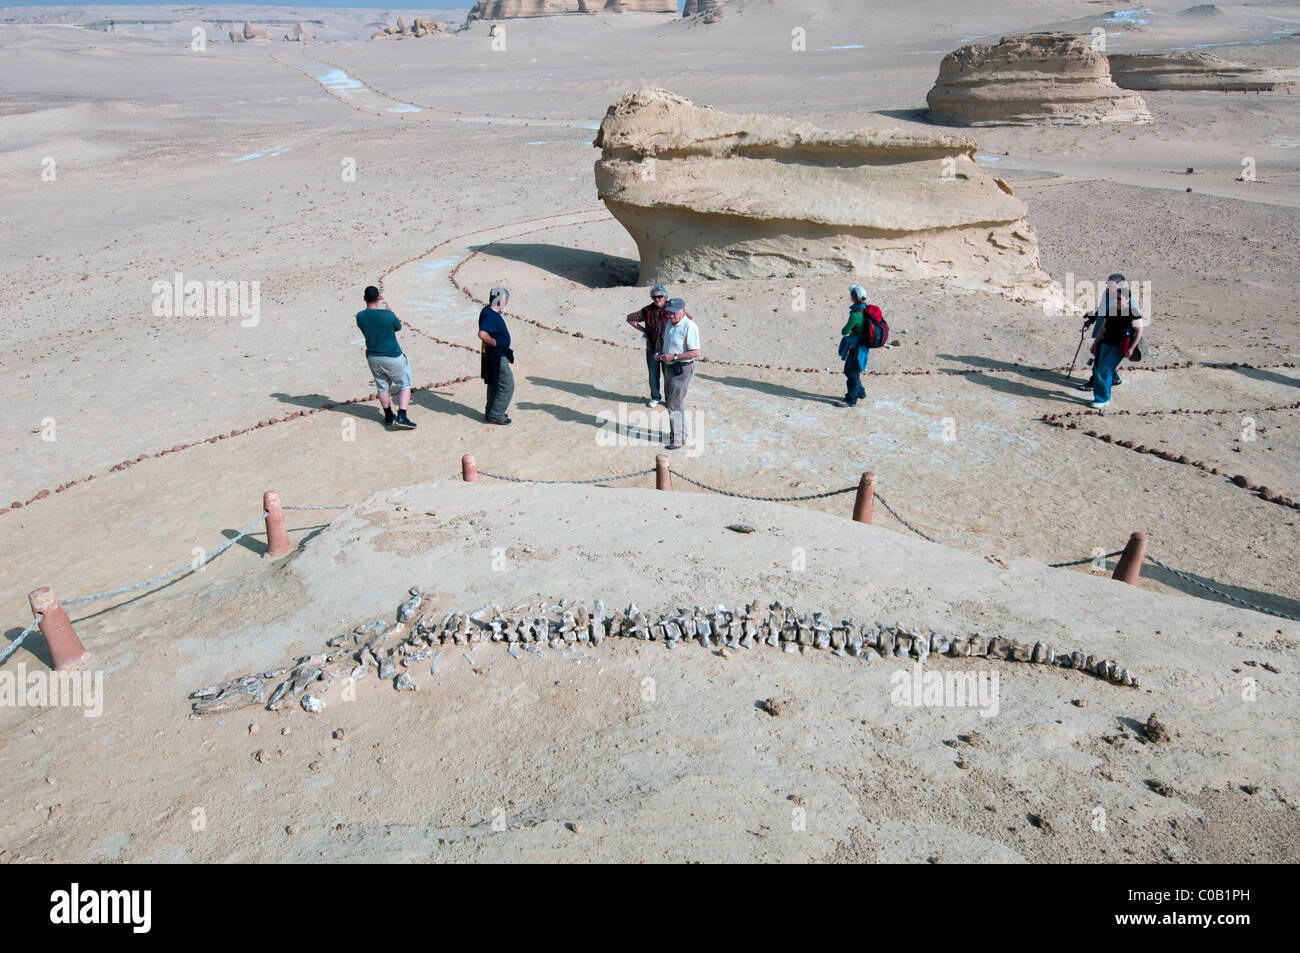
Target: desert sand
{"points": [[129, 158]]}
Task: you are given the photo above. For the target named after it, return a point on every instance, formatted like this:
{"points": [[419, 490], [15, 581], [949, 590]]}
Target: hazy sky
{"points": [[306, 5]]}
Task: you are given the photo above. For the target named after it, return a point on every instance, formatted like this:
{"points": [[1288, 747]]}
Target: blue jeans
{"points": [[854, 391], [1104, 372]]}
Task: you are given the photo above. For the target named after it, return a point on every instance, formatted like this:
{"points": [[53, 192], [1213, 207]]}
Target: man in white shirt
{"points": [[680, 349]]}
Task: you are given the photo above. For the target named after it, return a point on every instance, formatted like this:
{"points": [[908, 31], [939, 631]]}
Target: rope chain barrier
{"points": [[13, 646]]}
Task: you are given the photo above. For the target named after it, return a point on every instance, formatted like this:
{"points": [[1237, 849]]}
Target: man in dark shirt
{"points": [[1118, 335], [387, 363], [650, 321], [497, 357]]}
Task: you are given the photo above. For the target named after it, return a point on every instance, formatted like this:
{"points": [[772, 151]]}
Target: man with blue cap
{"points": [[651, 321]]}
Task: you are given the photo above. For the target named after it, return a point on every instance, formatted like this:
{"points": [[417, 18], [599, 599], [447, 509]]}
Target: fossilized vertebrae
{"points": [[393, 649]]}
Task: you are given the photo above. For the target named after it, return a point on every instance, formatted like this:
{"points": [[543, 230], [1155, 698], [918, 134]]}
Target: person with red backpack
{"points": [[866, 328]]}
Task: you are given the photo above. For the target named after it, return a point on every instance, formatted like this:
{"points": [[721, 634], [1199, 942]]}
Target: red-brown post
{"points": [[1129, 568], [663, 474], [866, 498], [277, 540], [66, 649], [468, 468]]}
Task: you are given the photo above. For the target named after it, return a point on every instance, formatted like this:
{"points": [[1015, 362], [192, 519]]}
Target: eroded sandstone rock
{"points": [[1027, 79], [707, 194]]}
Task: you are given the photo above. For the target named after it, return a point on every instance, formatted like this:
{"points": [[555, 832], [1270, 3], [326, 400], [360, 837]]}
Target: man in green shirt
{"points": [[387, 363]]}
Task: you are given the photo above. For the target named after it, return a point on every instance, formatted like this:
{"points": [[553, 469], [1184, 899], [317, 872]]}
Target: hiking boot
{"points": [[403, 421], [389, 416], [499, 421], [1086, 385]]}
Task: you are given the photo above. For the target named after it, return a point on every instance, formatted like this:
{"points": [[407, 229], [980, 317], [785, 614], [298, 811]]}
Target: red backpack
{"points": [[875, 332]]}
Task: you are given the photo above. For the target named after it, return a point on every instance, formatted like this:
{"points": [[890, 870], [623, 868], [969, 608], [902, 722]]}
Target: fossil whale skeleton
{"points": [[391, 649]]}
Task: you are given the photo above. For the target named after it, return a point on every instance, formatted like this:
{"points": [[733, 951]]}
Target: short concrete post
{"points": [[66, 649], [277, 540], [663, 475], [1129, 568], [468, 468], [866, 498]]}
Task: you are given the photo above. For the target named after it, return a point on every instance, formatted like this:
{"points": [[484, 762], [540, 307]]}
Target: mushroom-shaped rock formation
{"points": [[707, 194], [1027, 79]]}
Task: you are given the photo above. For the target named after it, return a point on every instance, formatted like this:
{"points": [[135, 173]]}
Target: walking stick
{"points": [[1070, 373]]}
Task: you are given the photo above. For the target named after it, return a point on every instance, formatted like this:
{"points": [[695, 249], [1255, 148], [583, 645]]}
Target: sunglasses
{"points": [[657, 296]]}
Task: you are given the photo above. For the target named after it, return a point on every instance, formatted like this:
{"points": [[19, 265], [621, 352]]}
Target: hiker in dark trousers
{"points": [[497, 357], [388, 365], [1119, 329], [853, 348], [1115, 293], [650, 321], [681, 347]]}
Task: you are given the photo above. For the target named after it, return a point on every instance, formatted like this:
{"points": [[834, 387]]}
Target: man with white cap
{"points": [[650, 321], [681, 346]]}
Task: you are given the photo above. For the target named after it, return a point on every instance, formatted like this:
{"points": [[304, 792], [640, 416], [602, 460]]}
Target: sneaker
{"points": [[652, 403], [1116, 381], [1086, 385], [674, 446], [499, 421], [841, 403], [403, 421], [1099, 404], [389, 416]]}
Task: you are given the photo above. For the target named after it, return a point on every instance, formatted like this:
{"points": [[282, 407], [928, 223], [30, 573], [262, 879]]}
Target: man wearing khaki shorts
{"points": [[388, 365]]}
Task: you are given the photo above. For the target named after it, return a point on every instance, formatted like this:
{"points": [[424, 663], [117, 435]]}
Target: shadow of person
{"points": [[591, 269], [1001, 383], [1271, 377], [435, 403], [365, 411], [579, 389], [775, 390]]}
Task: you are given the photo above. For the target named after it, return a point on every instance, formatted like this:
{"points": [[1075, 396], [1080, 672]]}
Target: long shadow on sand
{"points": [[256, 542], [776, 390], [1016, 388], [614, 428], [1270, 600], [1271, 377], [315, 401], [579, 389], [591, 269]]}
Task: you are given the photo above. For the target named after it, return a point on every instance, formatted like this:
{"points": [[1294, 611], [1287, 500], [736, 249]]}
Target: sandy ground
{"points": [[227, 166]]}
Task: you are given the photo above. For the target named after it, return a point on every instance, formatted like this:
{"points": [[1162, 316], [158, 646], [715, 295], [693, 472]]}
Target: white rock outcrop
{"points": [[1194, 69], [707, 194], [1027, 79]]}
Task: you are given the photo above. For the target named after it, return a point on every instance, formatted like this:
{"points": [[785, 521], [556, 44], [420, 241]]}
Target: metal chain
{"points": [[764, 499], [188, 567], [340, 506], [1085, 559], [621, 476], [1219, 592], [12, 647], [896, 516]]}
